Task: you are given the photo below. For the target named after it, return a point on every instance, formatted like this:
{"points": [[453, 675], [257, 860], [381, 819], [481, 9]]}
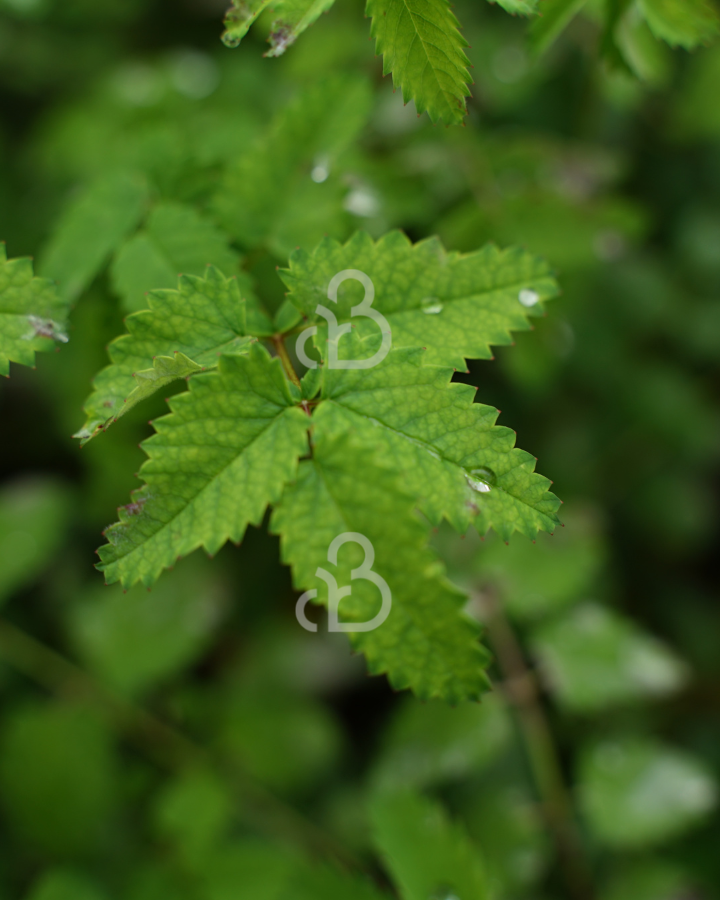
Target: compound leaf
{"points": [[452, 457], [426, 643], [426, 854], [183, 331], [291, 18], [684, 23], [32, 315], [229, 445], [455, 305], [175, 239], [422, 46]]}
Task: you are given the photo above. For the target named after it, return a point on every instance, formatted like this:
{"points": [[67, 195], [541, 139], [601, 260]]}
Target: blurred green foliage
{"points": [[193, 742]]}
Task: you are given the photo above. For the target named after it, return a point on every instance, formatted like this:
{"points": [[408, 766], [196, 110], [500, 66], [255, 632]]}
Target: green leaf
{"points": [[92, 226], [519, 7], [456, 305], [32, 316], [453, 458], [422, 46], [134, 642], [230, 444], [594, 658], [291, 18], [270, 196], [637, 792], [33, 519], [182, 331], [430, 743], [426, 642], [555, 16], [57, 777], [62, 884], [426, 853], [684, 23], [176, 239]]}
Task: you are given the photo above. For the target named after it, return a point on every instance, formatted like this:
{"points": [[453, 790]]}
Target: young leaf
{"points": [[684, 23], [32, 316], [555, 16], [426, 643], [93, 225], [422, 46], [175, 239], [268, 197], [426, 854], [456, 305], [453, 458], [292, 17], [226, 450], [183, 331]]}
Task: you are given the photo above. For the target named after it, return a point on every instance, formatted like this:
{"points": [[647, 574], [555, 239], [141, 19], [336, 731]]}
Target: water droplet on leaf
{"points": [[443, 892], [528, 297], [481, 479], [431, 306]]}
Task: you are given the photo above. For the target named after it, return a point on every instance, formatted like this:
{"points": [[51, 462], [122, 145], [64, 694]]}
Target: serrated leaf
{"points": [[32, 315], [683, 23], [555, 16], [455, 305], [636, 792], [183, 331], [593, 659], [427, 855], [92, 226], [453, 459], [422, 46], [291, 18], [223, 454], [175, 239], [268, 196], [426, 643]]}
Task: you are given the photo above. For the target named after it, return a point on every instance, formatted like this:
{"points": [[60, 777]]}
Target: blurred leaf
{"points": [[651, 879], [427, 855], [684, 23], [58, 778], [555, 16], [32, 316], [193, 811], [176, 240], [519, 7], [33, 517], [258, 200], [430, 743], [636, 792], [58, 884], [422, 46], [135, 640], [261, 726], [93, 225], [593, 658]]}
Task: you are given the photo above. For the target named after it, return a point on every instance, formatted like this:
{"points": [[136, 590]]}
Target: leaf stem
{"points": [[523, 691], [168, 747], [281, 350]]}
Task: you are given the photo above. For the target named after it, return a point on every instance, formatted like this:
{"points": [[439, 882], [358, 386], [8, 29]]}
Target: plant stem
{"points": [[523, 691], [165, 745], [281, 350]]}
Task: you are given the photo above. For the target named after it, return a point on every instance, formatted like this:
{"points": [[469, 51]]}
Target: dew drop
{"points": [[481, 479], [528, 297], [431, 306]]}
